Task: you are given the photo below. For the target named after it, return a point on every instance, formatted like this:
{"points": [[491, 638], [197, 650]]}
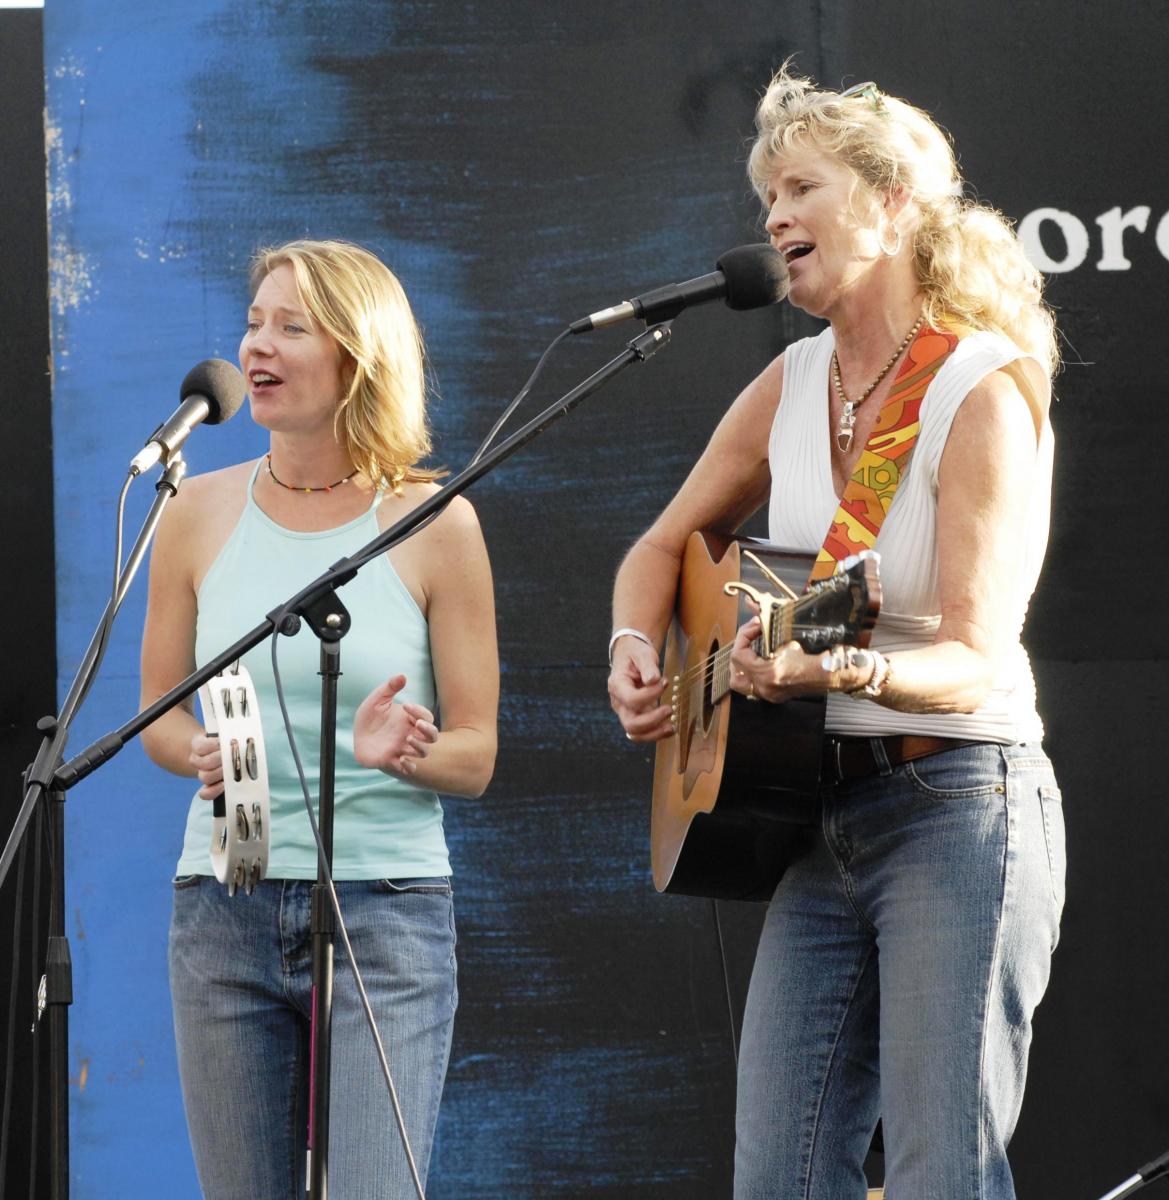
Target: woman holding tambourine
{"points": [[334, 367]]}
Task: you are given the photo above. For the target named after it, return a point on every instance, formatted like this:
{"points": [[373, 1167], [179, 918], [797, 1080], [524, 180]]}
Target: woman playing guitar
{"points": [[904, 952]]}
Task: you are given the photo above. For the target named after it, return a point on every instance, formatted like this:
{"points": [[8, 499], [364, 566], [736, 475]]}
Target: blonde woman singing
{"points": [[334, 367], [903, 956]]}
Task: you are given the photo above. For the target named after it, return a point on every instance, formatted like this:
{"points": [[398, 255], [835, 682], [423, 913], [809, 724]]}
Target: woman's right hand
{"points": [[208, 764], [635, 691]]}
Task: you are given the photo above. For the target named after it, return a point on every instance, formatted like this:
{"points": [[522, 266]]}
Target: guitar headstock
{"points": [[842, 608]]}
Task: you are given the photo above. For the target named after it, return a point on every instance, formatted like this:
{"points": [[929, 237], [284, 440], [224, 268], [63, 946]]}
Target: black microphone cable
{"points": [[484, 446], [722, 955], [366, 1007], [750, 276]]}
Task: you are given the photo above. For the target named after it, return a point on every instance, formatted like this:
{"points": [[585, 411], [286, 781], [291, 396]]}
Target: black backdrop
{"points": [[26, 534], [602, 998]]}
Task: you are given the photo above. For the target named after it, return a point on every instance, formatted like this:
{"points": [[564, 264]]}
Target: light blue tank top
{"points": [[383, 829]]}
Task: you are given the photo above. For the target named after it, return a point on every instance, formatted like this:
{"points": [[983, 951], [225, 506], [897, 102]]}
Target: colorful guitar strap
{"points": [[885, 458]]}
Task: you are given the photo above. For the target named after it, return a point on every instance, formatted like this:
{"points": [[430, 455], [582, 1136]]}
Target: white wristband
{"points": [[627, 632]]}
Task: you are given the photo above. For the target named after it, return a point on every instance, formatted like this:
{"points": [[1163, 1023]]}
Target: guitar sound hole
{"points": [[707, 689]]}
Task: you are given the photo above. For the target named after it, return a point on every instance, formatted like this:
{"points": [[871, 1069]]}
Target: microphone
{"points": [[747, 277], [212, 392]]}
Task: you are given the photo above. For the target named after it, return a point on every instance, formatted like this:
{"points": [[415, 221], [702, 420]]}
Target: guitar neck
{"points": [[719, 667]]}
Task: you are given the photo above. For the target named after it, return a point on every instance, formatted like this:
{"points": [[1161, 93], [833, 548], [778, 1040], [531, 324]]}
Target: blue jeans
{"points": [[898, 967], [240, 971]]}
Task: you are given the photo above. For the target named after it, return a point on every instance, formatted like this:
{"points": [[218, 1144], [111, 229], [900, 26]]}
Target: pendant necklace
{"points": [[848, 408]]}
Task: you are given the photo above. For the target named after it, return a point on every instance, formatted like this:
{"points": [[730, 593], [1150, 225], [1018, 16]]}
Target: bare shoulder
{"points": [[994, 407], [200, 518], [744, 428], [763, 392], [213, 488], [456, 520], [449, 549], [992, 440]]}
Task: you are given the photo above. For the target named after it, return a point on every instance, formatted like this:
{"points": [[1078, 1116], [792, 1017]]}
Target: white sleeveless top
{"points": [[804, 502]]}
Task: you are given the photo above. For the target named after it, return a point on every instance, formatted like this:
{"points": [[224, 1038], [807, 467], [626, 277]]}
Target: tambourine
{"points": [[239, 827]]}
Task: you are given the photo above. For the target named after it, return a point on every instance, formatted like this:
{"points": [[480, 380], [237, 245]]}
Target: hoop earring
{"points": [[896, 245]]}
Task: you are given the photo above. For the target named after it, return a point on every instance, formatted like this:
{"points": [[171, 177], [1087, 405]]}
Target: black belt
{"points": [[854, 757]]}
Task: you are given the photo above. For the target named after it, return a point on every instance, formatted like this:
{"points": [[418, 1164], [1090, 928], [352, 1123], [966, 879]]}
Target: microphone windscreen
{"points": [[756, 275], [220, 383]]}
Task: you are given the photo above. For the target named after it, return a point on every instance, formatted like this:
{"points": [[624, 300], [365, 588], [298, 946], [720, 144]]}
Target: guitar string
{"points": [[708, 668], [711, 662], [711, 665], [795, 607]]}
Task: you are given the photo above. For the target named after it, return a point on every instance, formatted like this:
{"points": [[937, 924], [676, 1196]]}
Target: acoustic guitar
{"points": [[734, 790]]}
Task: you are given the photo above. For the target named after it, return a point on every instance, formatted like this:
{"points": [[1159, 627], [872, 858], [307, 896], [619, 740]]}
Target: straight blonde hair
{"points": [[358, 301]]}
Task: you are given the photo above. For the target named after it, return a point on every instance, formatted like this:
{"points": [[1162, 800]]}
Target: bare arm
{"points": [[729, 482], [984, 486], [458, 756]]}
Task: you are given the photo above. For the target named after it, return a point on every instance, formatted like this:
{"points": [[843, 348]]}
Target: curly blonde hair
{"points": [[969, 261], [358, 301]]}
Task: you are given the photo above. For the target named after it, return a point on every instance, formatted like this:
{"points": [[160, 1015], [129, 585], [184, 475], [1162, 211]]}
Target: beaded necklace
{"points": [[848, 407], [290, 488]]}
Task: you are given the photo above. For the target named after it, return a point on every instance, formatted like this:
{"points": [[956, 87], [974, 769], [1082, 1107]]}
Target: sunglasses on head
{"points": [[864, 91]]}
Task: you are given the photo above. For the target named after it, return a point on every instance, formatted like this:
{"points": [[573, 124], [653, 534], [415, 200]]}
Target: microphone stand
{"points": [[55, 993], [318, 605], [330, 621], [1147, 1173]]}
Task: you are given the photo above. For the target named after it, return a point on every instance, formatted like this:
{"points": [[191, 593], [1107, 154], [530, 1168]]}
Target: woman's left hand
{"points": [[792, 672], [390, 736]]}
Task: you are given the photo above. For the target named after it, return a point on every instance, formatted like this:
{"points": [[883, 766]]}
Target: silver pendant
{"points": [[844, 428]]}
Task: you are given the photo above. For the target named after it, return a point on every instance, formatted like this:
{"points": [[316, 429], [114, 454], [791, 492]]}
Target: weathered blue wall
{"points": [[520, 164]]}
